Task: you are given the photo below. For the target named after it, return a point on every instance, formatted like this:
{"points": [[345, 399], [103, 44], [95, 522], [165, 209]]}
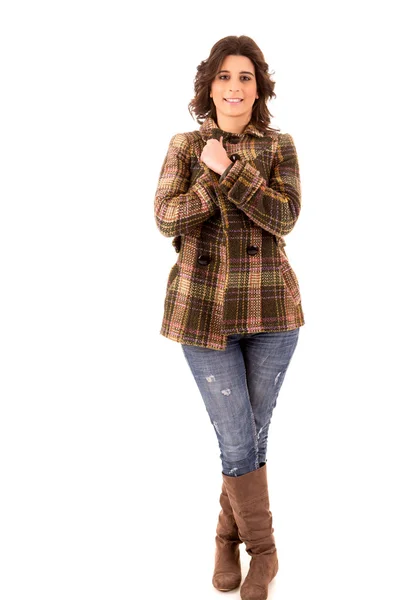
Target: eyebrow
{"points": [[241, 72]]}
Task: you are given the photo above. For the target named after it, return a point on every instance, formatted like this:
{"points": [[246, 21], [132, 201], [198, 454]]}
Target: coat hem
{"points": [[190, 341]]}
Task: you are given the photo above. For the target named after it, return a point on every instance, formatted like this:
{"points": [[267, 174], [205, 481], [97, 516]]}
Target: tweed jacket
{"points": [[232, 274]]}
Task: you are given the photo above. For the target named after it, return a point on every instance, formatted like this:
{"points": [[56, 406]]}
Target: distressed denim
{"points": [[240, 387]]}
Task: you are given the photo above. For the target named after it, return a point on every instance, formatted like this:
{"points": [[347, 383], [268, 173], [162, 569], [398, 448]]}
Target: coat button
{"points": [[234, 157], [203, 259], [252, 250]]}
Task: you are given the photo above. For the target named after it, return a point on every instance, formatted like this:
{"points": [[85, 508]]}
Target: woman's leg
{"points": [[221, 378], [253, 367], [267, 357]]}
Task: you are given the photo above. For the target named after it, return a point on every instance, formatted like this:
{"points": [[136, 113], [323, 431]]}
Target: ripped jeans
{"points": [[240, 387]]}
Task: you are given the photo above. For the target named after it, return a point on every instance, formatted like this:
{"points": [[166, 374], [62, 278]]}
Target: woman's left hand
{"points": [[215, 157]]}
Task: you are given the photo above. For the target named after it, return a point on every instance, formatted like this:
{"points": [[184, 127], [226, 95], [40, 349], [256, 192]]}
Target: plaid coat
{"points": [[232, 274]]}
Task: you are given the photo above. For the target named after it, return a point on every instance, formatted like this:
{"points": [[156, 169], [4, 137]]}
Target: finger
{"points": [[220, 139]]}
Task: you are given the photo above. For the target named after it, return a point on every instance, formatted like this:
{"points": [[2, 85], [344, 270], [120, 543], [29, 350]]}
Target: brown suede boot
{"points": [[227, 572], [248, 495]]}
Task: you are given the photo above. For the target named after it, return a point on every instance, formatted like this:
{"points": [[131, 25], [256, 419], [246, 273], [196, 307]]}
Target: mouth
{"points": [[233, 100]]}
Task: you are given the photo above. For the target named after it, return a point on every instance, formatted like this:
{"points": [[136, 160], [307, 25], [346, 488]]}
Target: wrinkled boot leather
{"points": [[248, 496]]}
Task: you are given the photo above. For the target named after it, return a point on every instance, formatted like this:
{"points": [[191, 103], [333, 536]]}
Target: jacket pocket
{"points": [[291, 282]]}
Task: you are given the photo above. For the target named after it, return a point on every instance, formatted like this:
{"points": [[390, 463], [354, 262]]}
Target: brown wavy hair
{"points": [[202, 106]]}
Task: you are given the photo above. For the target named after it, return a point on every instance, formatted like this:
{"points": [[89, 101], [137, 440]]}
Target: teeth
{"points": [[234, 100]]}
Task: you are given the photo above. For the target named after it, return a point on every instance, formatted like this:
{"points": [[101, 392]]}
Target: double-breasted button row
{"points": [[205, 259]]}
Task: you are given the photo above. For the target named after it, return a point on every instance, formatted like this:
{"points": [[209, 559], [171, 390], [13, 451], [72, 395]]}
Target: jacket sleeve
{"points": [[274, 207], [180, 207]]}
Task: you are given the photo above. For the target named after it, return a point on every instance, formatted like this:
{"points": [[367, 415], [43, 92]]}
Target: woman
{"points": [[228, 193]]}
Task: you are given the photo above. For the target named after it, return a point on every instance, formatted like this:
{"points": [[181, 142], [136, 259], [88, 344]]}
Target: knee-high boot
{"points": [[249, 499], [227, 572]]}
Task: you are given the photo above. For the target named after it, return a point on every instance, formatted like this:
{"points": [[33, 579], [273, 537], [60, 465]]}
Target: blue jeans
{"points": [[240, 387]]}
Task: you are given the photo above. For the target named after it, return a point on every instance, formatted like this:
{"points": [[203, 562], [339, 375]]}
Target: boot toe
{"points": [[253, 592], [262, 571], [225, 582]]}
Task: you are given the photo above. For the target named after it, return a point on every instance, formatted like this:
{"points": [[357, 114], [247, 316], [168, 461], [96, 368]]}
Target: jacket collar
{"points": [[209, 129]]}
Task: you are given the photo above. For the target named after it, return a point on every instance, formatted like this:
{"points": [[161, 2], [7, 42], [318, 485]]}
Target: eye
{"points": [[223, 76], [246, 78]]}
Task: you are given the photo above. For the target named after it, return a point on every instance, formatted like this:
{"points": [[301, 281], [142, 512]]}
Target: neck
{"points": [[233, 125]]}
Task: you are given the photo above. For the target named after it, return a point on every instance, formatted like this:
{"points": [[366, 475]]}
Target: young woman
{"points": [[228, 193]]}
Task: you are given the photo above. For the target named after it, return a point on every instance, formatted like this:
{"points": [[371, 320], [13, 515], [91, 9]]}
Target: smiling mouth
{"points": [[233, 100]]}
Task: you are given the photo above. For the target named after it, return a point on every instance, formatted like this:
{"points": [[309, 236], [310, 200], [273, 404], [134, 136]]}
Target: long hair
{"points": [[202, 106]]}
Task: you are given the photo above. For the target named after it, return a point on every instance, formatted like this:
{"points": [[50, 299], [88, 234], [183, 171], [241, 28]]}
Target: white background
{"points": [[110, 470]]}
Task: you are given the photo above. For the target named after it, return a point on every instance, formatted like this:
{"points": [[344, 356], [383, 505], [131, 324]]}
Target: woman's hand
{"points": [[215, 157]]}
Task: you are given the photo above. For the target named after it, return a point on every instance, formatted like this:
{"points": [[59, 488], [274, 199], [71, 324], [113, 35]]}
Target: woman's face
{"points": [[234, 89]]}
